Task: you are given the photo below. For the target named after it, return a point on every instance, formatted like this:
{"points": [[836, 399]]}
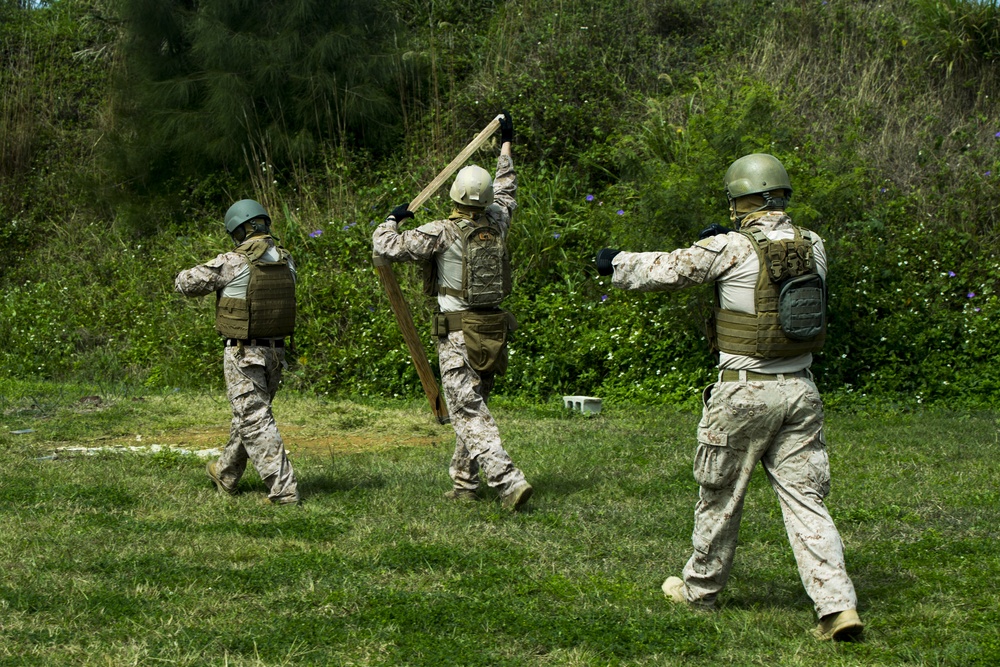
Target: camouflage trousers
{"points": [[477, 439], [780, 424], [252, 378]]}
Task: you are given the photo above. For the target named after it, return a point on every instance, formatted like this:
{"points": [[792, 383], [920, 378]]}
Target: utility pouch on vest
{"points": [[232, 317], [429, 276], [801, 307]]}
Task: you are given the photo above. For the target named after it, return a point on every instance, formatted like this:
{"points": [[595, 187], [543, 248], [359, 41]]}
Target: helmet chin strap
{"points": [[770, 204], [257, 226]]}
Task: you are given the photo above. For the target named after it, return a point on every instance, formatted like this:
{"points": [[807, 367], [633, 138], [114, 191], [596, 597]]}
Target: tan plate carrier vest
{"points": [[485, 284], [485, 264], [268, 311], [761, 334]]}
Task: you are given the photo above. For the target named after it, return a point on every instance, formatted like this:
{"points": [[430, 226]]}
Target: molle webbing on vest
{"points": [[232, 317], [761, 334], [269, 308]]}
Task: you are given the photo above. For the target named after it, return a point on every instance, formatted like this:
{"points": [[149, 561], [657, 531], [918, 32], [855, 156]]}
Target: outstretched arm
{"points": [[704, 262]]}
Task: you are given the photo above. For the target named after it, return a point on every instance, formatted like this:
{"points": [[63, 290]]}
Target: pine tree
{"points": [[207, 81]]}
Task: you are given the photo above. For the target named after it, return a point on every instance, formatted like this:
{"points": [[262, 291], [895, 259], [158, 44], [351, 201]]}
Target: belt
{"points": [[262, 342], [730, 375]]}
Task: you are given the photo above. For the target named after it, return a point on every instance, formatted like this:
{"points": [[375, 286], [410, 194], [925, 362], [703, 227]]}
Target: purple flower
{"points": [[997, 135], [348, 226], [951, 274], [976, 309], [989, 173], [620, 212], [883, 190], [604, 297], [556, 235], [371, 309], [970, 295], [589, 197], [316, 234]]}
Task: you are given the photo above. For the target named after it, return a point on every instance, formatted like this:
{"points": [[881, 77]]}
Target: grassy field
{"points": [[126, 558]]}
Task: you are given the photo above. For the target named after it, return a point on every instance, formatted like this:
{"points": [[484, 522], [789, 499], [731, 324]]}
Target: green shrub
{"points": [[627, 116]]}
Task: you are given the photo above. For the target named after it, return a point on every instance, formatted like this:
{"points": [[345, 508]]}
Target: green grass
{"points": [[135, 560]]}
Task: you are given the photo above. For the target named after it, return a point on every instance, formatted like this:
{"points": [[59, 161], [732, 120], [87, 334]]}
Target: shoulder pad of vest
{"points": [[253, 249], [755, 235]]}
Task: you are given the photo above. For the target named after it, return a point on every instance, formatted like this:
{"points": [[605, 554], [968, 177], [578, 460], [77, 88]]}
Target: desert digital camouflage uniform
{"points": [[253, 374], [477, 439], [779, 423]]}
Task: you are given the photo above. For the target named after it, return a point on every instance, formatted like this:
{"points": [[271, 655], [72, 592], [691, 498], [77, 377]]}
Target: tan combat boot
{"points": [[463, 495], [293, 499], [517, 496], [842, 626], [219, 484], [673, 589]]}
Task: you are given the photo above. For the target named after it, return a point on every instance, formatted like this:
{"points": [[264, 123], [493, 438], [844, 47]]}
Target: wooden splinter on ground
{"points": [[399, 306]]}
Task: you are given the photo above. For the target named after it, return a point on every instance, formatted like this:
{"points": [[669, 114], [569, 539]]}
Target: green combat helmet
{"points": [[246, 210], [758, 174], [473, 187]]}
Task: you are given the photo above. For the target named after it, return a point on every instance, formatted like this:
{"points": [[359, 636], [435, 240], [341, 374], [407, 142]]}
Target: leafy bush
{"points": [[626, 117]]}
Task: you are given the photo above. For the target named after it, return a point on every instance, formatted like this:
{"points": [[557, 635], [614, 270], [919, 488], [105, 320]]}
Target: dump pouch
{"points": [[485, 335], [486, 341]]}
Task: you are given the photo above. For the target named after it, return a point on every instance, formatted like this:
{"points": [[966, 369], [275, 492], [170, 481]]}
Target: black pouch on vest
{"points": [[802, 307]]}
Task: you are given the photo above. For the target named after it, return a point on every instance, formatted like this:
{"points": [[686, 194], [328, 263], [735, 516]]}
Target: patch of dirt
{"points": [[297, 439]]}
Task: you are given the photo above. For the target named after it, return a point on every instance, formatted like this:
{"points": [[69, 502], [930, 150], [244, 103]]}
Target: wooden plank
{"points": [[399, 306]]}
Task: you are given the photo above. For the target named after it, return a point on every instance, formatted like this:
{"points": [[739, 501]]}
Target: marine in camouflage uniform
{"points": [[465, 383], [252, 366], [763, 408]]}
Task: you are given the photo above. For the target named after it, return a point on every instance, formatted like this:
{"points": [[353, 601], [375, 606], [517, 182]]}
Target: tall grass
{"points": [[962, 35], [17, 108], [820, 58]]}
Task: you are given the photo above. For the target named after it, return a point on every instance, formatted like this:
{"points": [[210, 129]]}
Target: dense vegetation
{"points": [[122, 141]]}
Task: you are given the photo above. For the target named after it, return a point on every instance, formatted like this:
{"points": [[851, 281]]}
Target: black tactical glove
{"points": [[712, 230], [603, 261], [401, 213], [506, 128]]}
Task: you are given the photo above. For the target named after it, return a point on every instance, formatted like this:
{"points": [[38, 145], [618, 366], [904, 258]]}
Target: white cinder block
{"points": [[584, 404]]}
